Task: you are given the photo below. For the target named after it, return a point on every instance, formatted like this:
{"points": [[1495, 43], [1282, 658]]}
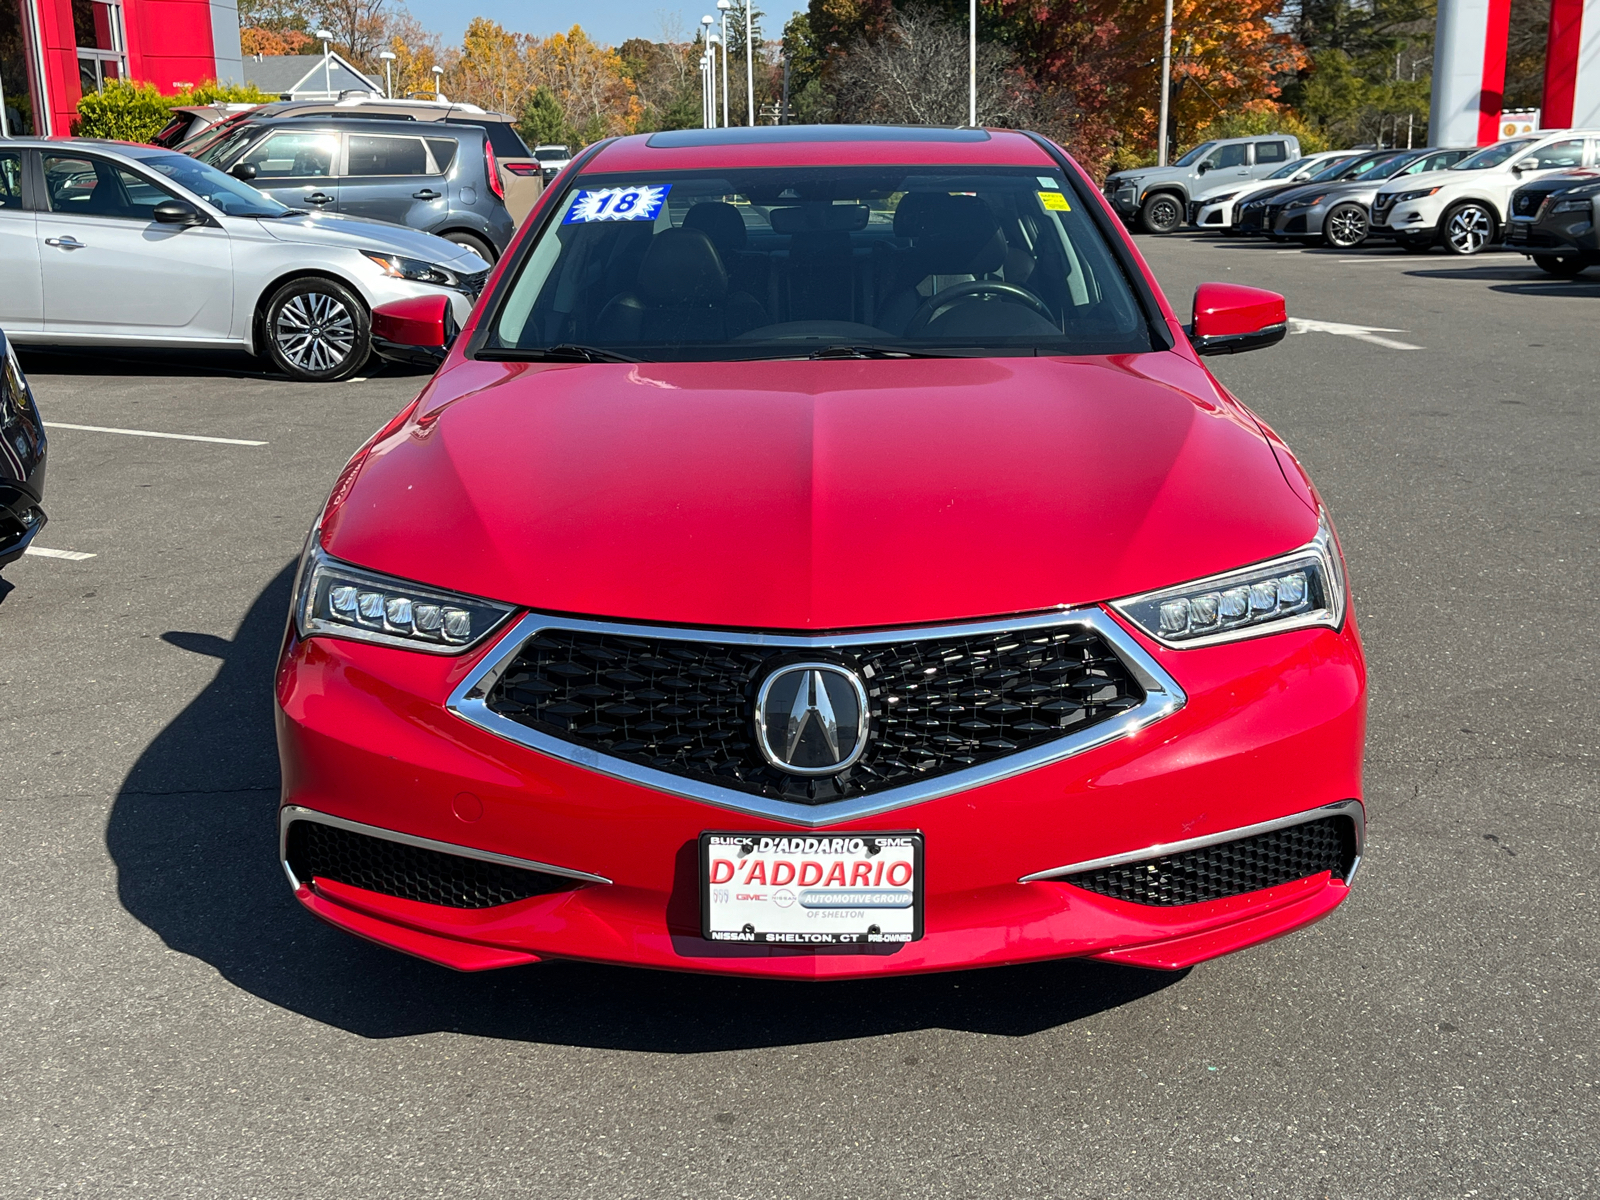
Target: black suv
{"points": [[438, 176]]}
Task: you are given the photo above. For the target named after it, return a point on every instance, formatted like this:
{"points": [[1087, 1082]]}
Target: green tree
{"points": [[543, 122]]}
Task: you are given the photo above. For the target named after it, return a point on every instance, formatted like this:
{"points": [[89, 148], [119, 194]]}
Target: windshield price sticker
{"points": [[811, 889], [617, 204]]}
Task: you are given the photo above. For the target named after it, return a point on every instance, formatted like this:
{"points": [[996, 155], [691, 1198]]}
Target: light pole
{"points": [[327, 63], [705, 94], [1166, 85], [749, 65], [711, 58], [972, 63], [388, 73], [722, 7], [713, 44], [438, 79]]}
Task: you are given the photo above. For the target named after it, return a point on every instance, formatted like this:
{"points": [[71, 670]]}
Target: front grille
{"points": [[1527, 201], [935, 705], [1252, 216], [318, 851], [1230, 868], [472, 284]]}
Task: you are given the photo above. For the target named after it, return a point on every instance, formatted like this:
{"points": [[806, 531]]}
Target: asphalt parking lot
{"points": [[174, 1025]]}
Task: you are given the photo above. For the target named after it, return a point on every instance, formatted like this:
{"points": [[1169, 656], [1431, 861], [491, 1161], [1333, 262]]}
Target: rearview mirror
{"points": [[1230, 319], [243, 171], [176, 212], [417, 330]]}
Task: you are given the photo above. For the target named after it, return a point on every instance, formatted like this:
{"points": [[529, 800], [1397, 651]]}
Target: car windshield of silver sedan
{"points": [[224, 192], [836, 261], [1493, 156]]}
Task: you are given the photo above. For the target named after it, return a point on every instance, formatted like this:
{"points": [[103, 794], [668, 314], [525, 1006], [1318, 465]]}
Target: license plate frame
{"points": [[784, 923]]}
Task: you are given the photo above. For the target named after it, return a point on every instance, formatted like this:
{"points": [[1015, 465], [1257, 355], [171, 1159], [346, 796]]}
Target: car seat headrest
{"points": [[720, 222], [682, 267]]}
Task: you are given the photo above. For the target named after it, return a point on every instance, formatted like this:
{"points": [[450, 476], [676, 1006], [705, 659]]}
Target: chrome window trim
{"points": [[1343, 808], [1163, 697], [291, 813]]}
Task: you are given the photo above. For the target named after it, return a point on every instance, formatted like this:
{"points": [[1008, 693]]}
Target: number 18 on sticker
{"points": [[617, 204]]}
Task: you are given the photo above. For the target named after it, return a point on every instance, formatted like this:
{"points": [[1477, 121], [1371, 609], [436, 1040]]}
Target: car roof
{"points": [[818, 145], [366, 125]]}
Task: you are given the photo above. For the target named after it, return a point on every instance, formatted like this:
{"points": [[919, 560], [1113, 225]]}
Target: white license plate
{"points": [[811, 889]]}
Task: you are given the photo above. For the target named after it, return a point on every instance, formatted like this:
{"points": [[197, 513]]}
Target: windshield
{"points": [[224, 192], [782, 262], [1288, 169], [1194, 154], [1384, 167], [223, 147], [1493, 156], [212, 134]]}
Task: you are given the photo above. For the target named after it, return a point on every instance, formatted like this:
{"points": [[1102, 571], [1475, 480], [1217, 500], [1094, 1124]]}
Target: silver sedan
{"points": [[105, 243]]}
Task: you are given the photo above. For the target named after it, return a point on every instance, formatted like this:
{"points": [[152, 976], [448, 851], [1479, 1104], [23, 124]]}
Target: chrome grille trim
{"points": [[1163, 697], [1343, 808]]}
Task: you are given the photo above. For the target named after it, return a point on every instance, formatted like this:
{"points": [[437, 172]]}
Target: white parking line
{"points": [[69, 555], [180, 437], [1362, 333]]}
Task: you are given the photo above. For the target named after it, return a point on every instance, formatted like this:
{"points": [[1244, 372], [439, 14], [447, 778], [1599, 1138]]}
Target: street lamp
{"points": [[711, 57], [972, 63], [438, 78], [705, 95], [327, 63], [713, 44], [1166, 85], [722, 7], [749, 65], [388, 75]]}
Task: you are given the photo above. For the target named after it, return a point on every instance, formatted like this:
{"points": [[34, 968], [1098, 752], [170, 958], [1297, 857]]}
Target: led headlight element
{"points": [[398, 267], [1299, 590], [1417, 194], [1573, 206], [339, 600], [1307, 201]]}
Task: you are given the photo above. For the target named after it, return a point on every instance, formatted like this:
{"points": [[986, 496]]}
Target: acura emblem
{"points": [[811, 718]]}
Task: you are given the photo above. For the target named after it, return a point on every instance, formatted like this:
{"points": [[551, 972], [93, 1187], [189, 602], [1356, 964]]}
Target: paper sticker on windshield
{"points": [[617, 204], [1054, 202]]}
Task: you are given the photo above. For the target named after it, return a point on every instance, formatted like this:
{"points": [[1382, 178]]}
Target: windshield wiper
{"points": [[867, 351], [288, 212], [564, 352]]}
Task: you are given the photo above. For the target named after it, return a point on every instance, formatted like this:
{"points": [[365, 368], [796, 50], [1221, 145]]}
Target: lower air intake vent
{"points": [[1230, 868], [318, 851]]}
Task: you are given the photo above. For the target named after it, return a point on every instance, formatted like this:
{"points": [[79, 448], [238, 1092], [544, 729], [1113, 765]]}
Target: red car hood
{"points": [[819, 495]]}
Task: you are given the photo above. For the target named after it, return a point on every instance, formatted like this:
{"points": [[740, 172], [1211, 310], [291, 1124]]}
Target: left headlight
{"points": [[1297, 591], [1573, 206], [338, 600], [1222, 199], [399, 267]]}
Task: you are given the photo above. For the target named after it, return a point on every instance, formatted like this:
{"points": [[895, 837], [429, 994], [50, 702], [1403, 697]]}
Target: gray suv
{"points": [[436, 176], [1154, 199]]}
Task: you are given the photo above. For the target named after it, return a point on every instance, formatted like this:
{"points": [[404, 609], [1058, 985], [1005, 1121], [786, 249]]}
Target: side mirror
{"points": [[176, 212], [1230, 319], [243, 171], [1203, 168], [417, 330]]}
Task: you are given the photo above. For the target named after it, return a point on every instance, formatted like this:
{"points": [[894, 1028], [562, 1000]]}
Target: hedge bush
{"points": [[136, 112]]}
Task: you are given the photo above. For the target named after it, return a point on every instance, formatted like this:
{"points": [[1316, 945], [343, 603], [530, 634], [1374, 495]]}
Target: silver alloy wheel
{"points": [[1469, 229], [315, 332], [1347, 226]]}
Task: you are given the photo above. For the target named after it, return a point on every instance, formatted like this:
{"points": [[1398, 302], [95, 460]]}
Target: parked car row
{"points": [[1536, 193]]}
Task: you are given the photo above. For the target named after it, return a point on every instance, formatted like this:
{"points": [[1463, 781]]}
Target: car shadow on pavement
{"points": [[193, 836], [126, 361]]}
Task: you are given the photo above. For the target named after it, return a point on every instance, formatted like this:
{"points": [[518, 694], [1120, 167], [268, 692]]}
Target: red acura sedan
{"points": [[823, 553]]}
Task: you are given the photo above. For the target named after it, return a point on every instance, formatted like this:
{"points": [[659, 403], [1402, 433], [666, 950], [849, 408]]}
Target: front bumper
{"points": [[1570, 233], [1271, 727], [1407, 219]]}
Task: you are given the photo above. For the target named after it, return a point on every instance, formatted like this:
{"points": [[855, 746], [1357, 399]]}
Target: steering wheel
{"points": [[940, 301]]}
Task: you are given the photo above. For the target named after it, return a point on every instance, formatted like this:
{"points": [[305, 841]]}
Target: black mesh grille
{"points": [[1527, 200], [377, 864], [1231, 868], [934, 706]]}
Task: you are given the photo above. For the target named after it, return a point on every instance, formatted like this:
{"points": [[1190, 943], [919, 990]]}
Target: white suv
{"points": [[1464, 207]]}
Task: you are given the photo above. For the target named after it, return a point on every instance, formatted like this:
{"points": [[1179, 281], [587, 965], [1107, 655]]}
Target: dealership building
{"points": [[53, 51]]}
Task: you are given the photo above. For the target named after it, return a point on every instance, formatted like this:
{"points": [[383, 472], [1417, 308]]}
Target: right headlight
{"points": [[1302, 589], [338, 600]]}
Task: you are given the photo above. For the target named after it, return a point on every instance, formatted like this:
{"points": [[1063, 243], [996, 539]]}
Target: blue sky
{"points": [[607, 21]]}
